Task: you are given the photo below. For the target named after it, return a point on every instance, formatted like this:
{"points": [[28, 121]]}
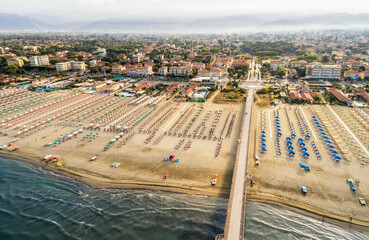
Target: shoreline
{"points": [[309, 211], [100, 182], [103, 182]]}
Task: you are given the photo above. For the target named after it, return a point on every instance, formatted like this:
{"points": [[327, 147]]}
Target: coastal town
{"points": [[185, 113]]}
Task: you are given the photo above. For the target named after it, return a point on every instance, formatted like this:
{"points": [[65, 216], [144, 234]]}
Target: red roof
{"points": [[142, 86], [306, 96], [295, 96], [339, 95]]}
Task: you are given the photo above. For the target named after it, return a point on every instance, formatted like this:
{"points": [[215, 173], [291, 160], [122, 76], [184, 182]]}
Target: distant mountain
{"points": [[16, 22], [250, 22]]}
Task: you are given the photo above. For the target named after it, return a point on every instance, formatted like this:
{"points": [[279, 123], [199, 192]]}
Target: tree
{"points": [[325, 59], [362, 68], [281, 72]]}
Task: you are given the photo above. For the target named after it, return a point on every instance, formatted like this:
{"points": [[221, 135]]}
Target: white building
{"points": [[39, 61], [72, 65], [101, 52], [319, 71], [30, 48]]}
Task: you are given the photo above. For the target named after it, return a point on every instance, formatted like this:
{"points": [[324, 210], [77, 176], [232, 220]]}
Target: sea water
{"points": [[39, 204]]}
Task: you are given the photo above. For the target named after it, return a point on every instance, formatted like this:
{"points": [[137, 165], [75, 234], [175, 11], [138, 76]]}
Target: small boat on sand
{"points": [[47, 156], [93, 158], [304, 190], [362, 201]]}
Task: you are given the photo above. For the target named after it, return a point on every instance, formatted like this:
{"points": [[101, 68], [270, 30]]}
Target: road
{"points": [[234, 228]]}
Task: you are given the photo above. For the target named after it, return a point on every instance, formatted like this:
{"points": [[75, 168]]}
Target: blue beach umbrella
{"points": [[302, 144], [325, 137]]}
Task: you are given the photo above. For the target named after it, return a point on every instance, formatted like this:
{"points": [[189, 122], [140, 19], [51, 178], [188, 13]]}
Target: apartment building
{"points": [[319, 71], [163, 71], [180, 71], [274, 65], [15, 61], [72, 65], [39, 61], [352, 74], [138, 57], [117, 69], [203, 73]]}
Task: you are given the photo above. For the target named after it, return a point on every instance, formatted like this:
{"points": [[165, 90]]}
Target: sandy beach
{"points": [[279, 178], [141, 162]]}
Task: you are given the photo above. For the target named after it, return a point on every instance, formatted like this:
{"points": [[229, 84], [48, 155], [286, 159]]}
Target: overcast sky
{"points": [[72, 10]]}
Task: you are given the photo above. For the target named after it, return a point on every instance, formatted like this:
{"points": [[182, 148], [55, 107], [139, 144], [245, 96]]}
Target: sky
{"points": [[79, 10]]}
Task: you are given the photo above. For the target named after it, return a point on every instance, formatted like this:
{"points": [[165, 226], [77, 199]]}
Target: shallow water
{"points": [[38, 204]]}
